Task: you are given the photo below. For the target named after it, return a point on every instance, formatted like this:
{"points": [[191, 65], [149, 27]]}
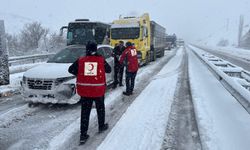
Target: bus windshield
{"points": [[125, 33], [80, 33]]}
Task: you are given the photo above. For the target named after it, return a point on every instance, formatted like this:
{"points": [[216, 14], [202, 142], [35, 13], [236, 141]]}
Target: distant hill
{"points": [[14, 23]]}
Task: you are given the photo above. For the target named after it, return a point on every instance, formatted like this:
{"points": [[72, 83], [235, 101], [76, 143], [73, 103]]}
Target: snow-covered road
{"points": [[223, 123], [143, 125], [208, 116], [44, 127]]}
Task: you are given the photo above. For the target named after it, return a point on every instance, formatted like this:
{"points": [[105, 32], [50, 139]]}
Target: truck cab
{"points": [[147, 36], [135, 30]]}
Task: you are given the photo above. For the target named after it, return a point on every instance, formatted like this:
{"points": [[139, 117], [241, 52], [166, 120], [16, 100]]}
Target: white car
{"points": [[51, 82]]}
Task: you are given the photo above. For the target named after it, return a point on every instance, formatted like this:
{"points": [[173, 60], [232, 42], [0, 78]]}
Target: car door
{"points": [[109, 59]]}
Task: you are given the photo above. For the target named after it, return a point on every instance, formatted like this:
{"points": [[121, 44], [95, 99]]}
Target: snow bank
{"points": [[144, 123], [14, 85], [223, 123]]}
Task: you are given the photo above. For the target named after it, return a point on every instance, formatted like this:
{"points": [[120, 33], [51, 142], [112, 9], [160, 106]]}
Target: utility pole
{"points": [[241, 24]]}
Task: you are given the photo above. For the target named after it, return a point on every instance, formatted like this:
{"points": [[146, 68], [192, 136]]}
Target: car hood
{"points": [[49, 71]]}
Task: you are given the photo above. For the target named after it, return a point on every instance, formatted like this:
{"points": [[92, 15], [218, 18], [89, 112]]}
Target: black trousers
{"points": [[86, 103], [118, 74], [130, 81]]}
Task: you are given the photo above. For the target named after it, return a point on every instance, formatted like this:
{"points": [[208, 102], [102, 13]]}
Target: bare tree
{"points": [[34, 39], [56, 41], [31, 35], [13, 44]]}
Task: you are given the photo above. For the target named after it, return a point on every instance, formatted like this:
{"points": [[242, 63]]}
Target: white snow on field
{"points": [[223, 123], [144, 123], [232, 51]]}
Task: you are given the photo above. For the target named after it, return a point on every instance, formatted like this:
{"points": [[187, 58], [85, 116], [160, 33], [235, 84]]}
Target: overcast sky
{"points": [[189, 19]]}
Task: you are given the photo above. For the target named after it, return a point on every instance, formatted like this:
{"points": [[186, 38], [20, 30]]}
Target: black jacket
{"points": [[73, 69], [117, 53]]}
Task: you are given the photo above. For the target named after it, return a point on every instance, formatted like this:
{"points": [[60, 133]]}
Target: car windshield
{"points": [[67, 55], [125, 33]]}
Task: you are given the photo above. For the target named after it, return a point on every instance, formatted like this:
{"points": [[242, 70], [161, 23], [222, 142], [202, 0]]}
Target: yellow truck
{"points": [[148, 37]]}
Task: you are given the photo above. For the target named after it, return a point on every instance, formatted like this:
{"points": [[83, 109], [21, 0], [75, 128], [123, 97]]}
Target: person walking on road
{"points": [[130, 60], [118, 68], [91, 84]]}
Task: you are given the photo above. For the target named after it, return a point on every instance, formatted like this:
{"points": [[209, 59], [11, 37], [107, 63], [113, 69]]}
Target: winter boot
{"points": [[126, 93], [103, 128], [83, 139]]}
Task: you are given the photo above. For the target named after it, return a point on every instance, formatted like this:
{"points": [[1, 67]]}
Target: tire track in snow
{"points": [[15, 114], [182, 131]]}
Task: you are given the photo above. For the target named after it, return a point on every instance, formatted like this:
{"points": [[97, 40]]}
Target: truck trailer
{"points": [[171, 41], [147, 36]]}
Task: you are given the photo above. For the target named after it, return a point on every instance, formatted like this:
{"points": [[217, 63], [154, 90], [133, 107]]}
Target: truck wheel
{"points": [[153, 56], [152, 53], [147, 58], [162, 53]]}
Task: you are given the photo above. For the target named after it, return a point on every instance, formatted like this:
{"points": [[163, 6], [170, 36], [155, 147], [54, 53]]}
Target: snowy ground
{"points": [[182, 132], [238, 52], [14, 85], [177, 104], [56, 127], [143, 125], [237, 56], [223, 123]]}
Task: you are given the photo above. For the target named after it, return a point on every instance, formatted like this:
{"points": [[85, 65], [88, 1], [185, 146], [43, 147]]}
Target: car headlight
{"points": [[61, 80], [67, 90], [24, 80]]}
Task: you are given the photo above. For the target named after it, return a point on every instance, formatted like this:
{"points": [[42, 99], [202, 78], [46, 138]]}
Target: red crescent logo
{"points": [[91, 67]]}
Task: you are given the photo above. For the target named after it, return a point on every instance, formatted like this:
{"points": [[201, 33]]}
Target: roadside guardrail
{"points": [[29, 59], [235, 79]]}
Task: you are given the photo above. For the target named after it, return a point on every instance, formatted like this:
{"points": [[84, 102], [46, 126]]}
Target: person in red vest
{"points": [[91, 84], [130, 60]]}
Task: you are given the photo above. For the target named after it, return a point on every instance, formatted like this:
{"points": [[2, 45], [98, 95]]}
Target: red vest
{"points": [[91, 80], [130, 56]]}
